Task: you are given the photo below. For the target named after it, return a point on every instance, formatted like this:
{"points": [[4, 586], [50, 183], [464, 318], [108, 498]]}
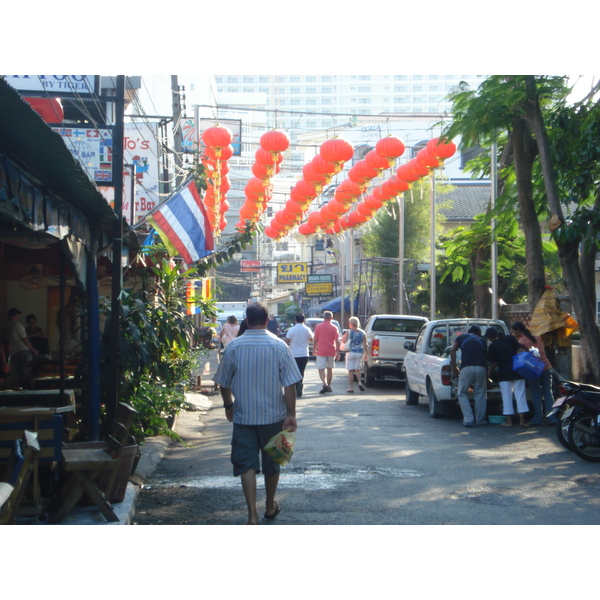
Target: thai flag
{"points": [[183, 220]]}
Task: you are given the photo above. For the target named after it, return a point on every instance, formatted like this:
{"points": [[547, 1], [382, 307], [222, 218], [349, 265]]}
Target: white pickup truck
{"points": [[427, 362], [386, 336]]}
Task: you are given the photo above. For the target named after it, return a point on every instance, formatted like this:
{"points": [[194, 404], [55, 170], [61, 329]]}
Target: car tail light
{"points": [[446, 375], [375, 347]]}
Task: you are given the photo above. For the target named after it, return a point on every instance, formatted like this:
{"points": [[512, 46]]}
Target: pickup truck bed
{"points": [[427, 362], [386, 335]]}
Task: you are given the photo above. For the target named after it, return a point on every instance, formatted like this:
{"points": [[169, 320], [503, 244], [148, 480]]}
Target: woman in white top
{"points": [[356, 338], [230, 330]]}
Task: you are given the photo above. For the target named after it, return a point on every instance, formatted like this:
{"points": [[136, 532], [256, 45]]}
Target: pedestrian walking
{"points": [[356, 353], [230, 330], [472, 372], [273, 325], [500, 354], [542, 385], [297, 338], [326, 348], [258, 376]]}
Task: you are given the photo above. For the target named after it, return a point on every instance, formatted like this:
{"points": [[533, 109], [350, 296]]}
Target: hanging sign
{"points": [[292, 272]]}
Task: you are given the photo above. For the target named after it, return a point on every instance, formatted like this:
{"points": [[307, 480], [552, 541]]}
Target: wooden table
{"points": [[47, 423], [39, 398]]}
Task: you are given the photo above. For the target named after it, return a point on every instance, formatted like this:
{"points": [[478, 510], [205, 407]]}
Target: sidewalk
{"points": [[153, 450]]}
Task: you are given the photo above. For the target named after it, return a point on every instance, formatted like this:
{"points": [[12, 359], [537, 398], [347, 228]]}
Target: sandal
{"points": [[350, 391], [361, 387]]}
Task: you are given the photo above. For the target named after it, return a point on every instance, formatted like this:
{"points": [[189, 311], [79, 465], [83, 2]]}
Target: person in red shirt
{"points": [[326, 347]]}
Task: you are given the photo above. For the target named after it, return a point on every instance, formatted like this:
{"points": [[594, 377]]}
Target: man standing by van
{"points": [[473, 371], [327, 349]]}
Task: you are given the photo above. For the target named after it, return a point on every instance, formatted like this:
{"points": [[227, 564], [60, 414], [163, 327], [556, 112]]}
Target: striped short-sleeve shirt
{"points": [[257, 366]]}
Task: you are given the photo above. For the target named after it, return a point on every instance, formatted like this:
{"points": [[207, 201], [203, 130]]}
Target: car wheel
{"points": [[434, 403], [412, 398], [369, 378]]}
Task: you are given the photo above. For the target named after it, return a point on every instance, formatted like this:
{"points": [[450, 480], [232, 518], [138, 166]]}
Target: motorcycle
{"points": [[577, 424]]}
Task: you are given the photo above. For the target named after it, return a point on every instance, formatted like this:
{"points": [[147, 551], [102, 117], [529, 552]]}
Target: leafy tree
{"points": [[550, 154], [382, 240]]}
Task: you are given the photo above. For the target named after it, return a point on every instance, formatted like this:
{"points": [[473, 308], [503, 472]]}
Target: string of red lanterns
{"points": [[218, 150], [259, 188], [431, 157], [317, 173]]}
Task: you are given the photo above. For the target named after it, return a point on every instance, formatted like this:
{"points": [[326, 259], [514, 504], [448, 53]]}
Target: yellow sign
{"points": [[319, 289], [292, 272]]}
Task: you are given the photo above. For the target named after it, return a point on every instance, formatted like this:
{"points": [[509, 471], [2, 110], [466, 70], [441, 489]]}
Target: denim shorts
{"points": [[247, 445]]}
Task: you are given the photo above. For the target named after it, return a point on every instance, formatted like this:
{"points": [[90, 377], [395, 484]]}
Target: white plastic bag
{"points": [[281, 446]]}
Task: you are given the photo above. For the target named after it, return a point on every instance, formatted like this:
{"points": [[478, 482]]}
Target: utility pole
{"points": [[117, 246], [177, 138]]}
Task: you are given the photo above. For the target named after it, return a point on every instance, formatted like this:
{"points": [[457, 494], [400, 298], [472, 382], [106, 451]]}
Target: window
{"points": [[417, 99], [295, 101], [400, 88], [295, 79], [364, 89], [417, 88], [434, 88], [295, 90], [248, 90], [311, 79], [263, 90], [326, 78], [263, 79], [311, 124], [248, 80], [326, 101], [417, 77], [364, 78], [233, 90], [326, 90], [280, 79], [218, 80], [232, 80], [311, 101], [401, 100], [311, 90], [400, 77], [364, 100]]}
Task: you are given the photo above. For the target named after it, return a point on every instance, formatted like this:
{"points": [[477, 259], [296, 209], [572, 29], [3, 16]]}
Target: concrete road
{"points": [[368, 458]]}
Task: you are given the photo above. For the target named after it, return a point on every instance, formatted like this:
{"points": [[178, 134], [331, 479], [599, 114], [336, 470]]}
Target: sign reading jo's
{"points": [[292, 272]]}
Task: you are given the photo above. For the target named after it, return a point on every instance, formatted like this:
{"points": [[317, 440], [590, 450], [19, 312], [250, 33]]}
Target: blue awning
{"points": [[335, 305]]}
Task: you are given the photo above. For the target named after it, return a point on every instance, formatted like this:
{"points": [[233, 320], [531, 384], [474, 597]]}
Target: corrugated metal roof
{"points": [[27, 140], [465, 202]]}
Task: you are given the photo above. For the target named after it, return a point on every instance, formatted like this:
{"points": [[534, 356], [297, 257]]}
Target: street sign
{"points": [[250, 266], [319, 285], [292, 272]]}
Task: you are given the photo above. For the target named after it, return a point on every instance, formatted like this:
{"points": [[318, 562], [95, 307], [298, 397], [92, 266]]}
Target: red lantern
{"points": [[50, 109], [305, 190], [360, 173], [264, 157], [217, 137], [347, 191], [337, 207], [336, 151], [372, 203], [441, 148], [306, 229], [224, 153], [315, 219], [363, 209], [376, 161], [224, 206], [222, 223], [390, 147], [405, 173], [426, 159], [309, 174], [271, 232], [320, 165], [248, 212], [274, 141], [261, 171], [417, 170], [293, 207]]}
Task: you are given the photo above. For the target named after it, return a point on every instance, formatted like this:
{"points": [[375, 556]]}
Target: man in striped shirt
{"points": [[258, 376]]}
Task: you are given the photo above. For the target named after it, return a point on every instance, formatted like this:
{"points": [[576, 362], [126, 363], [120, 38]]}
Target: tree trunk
{"points": [[524, 153], [568, 252]]}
